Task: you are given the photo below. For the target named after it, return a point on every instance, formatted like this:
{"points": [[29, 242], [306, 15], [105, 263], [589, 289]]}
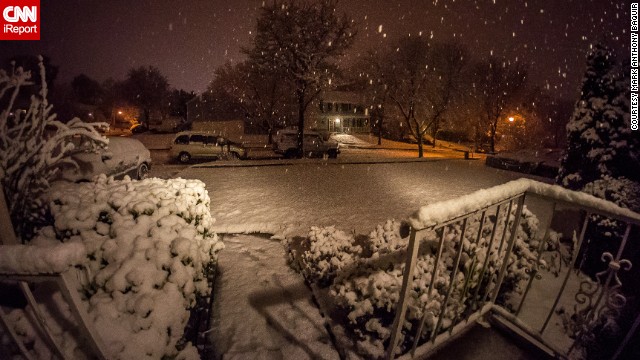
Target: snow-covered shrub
{"points": [[369, 290], [326, 252], [32, 146], [385, 239], [620, 191], [150, 247]]}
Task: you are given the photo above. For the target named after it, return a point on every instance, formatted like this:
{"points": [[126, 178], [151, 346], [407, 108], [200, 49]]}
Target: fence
{"points": [[480, 256]]}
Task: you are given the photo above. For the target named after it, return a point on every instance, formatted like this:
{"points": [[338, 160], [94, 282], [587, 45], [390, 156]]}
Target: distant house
{"points": [[341, 112], [205, 115], [337, 111]]}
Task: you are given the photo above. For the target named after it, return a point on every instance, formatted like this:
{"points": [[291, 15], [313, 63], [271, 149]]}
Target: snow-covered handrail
{"points": [[450, 222], [437, 213], [34, 260], [25, 264]]}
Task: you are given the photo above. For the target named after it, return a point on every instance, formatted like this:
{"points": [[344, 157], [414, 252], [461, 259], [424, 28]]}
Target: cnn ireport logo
{"points": [[20, 20]]}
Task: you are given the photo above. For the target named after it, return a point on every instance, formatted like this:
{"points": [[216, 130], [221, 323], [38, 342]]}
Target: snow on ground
{"points": [[372, 141], [262, 308], [298, 195]]}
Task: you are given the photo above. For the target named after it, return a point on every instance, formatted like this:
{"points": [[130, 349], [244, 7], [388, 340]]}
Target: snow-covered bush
{"points": [[32, 146], [326, 252], [150, 248], [620, 191], [369, 290]]}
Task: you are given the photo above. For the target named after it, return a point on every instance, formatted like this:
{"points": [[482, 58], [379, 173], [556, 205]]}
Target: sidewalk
{"points": [[261, 307]]}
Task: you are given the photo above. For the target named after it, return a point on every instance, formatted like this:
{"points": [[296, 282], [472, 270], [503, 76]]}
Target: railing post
{"points": [[486, 257], [41, 320], [534, 271], [14, 336], [566, 278], [68, 284], [407, 279], [452, 282], [434, 275], [627, 338], [512, 240]]}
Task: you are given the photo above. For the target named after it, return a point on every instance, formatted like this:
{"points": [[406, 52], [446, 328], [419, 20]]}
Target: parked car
{"points": [[123, 156], [139, 129], [313, 144], [189, 145]]}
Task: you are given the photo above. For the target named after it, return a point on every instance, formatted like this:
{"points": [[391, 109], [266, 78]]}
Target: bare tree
{"points": [[370, 77], [447, 62], [499, 82], [263, 96], [407, 82], [148, 89], [421, 80], [301, 40]]}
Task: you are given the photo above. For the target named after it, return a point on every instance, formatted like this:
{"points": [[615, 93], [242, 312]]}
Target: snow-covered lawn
{"points": [[291, 198]]}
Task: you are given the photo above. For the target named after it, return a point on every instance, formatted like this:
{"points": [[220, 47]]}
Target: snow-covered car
{"points": [[123, 156], [189, 145], [313, 144]]}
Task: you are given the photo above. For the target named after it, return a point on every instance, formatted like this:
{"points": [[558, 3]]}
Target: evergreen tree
{"points": [[602, 159], [599, 141]]}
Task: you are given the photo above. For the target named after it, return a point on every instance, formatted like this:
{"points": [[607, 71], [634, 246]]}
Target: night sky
{"points": [[187, 40]]}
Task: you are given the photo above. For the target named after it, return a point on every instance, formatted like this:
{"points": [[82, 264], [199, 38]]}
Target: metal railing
{"points": [[479, 259], [67, 283]]}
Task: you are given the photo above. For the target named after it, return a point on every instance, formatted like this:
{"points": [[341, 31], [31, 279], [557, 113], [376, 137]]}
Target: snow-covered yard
{"points": [[286, 201], [293, 197]]}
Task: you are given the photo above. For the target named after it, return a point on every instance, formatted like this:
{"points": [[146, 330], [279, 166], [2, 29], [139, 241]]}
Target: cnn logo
{"points": [[20, 20], [15, 13]]}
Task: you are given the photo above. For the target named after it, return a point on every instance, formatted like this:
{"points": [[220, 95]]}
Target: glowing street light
{"points": [[511, 118]]}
